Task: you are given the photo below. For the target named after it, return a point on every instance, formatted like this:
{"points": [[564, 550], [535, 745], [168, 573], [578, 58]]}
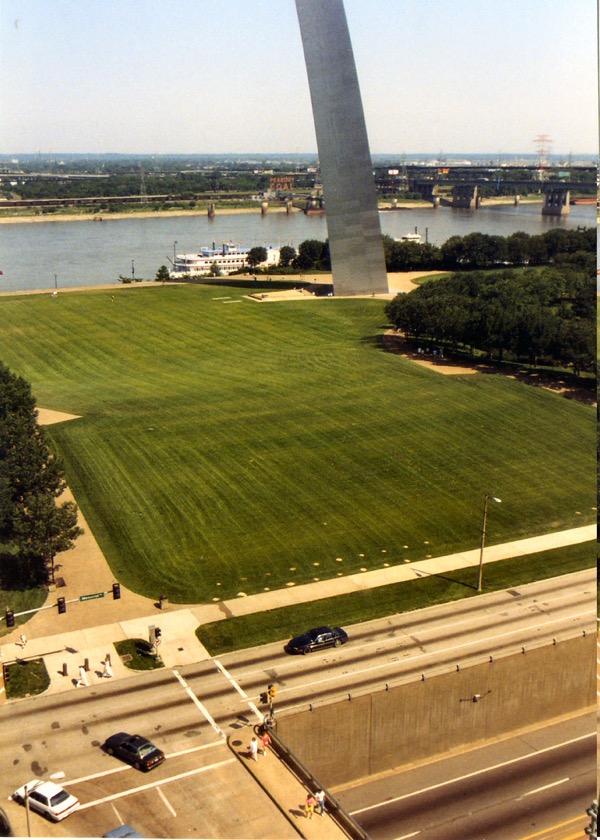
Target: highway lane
{"points": [[190, 710], [508, 790], [398, 647]]}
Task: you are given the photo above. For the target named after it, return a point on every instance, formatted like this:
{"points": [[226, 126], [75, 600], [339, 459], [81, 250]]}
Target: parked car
{"points": [[317, 638], [135, 750], [48, 799]]}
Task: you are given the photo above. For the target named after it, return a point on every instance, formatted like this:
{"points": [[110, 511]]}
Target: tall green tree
{"points": [[286, 255], [31, 480], [256, 256]]}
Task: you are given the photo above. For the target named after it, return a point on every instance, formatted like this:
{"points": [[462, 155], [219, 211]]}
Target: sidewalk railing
{"points": [[340, 816]]}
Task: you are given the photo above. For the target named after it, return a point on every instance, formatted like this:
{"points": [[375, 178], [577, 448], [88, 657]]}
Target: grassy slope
{"points": [[232, 447]]}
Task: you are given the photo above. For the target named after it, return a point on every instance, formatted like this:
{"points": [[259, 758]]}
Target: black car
{"points": [[135, 750], [317, 638]]}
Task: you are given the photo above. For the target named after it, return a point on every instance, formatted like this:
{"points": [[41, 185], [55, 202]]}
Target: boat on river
{"points": [[227, 259], [410, 237]]}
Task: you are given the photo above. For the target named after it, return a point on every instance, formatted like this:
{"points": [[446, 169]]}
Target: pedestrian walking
{"points": [[254, 749], [107, 670], [320, 800], [83, 680], [309, 808], [265, 740], [23, 640]]}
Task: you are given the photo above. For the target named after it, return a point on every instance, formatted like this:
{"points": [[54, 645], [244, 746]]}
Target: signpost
{"points": [[92, 596]]}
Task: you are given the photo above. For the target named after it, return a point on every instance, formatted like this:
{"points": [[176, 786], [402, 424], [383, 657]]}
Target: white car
{"points": [[47, 798]]}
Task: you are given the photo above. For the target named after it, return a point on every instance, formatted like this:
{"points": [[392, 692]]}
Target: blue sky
{"points": [[210, 76]]}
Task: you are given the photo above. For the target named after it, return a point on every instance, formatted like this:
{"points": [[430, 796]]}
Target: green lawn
{"points": [[274, 625], [230, 447]]}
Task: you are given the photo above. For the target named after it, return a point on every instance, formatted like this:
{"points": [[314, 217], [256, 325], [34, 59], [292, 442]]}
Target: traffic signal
{"points": [[116, 591], [157, 632], [272, 691], [62, 605], [263, 697], [10, 618], [592, 829]]}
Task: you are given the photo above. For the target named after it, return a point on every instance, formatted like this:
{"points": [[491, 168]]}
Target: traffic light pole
{"points": [[115, 591]]}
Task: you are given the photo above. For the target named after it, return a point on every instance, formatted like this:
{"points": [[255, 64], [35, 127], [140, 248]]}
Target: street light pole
{"points": [[174, 251], [27, 792], [486, 499]]}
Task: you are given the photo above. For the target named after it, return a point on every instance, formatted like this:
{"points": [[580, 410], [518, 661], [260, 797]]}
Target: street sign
{"points": [[92, 596]]}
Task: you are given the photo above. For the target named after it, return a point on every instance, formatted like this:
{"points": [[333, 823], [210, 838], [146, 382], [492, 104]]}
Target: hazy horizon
{"points": [[147, 76]]}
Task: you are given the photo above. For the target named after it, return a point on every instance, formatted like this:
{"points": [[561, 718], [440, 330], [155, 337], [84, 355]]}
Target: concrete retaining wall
{"points": [[368, 734]]}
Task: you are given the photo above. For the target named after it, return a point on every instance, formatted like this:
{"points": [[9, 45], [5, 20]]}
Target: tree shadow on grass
{"points": [[374, 341], [20, 573]]}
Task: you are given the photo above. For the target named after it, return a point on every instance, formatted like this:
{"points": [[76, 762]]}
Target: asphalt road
{"points": [[203, 790], [432, 640], [537, 785]]}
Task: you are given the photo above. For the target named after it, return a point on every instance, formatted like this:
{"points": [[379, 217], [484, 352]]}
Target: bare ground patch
{"points": [[47, 417], [395, 342]]}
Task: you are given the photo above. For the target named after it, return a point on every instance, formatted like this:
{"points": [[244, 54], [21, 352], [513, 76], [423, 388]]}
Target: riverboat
{"points": [[217, 261], [410, 237]]}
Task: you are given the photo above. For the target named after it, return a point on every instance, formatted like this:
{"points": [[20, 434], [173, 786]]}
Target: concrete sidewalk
{"points": [[288, 793]]}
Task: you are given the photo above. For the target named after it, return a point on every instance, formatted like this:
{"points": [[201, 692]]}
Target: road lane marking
{"points": [[553, 828], [202, 708], [110, 772], [124, 767], [117, 815], [152, 785], [194, 749], [239, 690], [166, 801], [412, 659], [406, 836], [475, 773], [545, 787]]}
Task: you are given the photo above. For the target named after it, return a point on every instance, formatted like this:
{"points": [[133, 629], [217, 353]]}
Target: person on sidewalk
{"points": [[254, 749], [265, 740], [309, 808], [320, 800], [107, 670], [83, 680], [23, 640]]}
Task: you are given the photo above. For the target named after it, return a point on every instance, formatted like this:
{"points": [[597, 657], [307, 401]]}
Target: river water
{"points": [[84, 253]]}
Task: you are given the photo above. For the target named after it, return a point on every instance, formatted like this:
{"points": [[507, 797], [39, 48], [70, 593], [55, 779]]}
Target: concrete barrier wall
{"points": [[353, 738]]}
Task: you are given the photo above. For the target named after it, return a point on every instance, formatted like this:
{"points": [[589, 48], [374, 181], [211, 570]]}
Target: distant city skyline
{"points": [[437, 77]]}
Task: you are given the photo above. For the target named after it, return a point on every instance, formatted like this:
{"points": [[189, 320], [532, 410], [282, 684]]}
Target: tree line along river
{"points": [[42, 255]]}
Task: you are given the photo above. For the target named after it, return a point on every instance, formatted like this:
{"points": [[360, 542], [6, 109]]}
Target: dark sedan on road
{"points": [[317, 638], [135, 750]]}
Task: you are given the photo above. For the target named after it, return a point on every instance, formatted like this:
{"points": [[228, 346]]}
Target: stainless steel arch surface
{"points": [[357, 259]]}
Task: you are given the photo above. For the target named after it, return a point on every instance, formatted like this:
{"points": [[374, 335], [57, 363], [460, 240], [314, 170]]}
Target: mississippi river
{"points": [[92, 253]]}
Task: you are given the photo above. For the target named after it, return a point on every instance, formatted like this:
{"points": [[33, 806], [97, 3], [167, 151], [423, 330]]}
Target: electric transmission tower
{"points": [[543, 145]]}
